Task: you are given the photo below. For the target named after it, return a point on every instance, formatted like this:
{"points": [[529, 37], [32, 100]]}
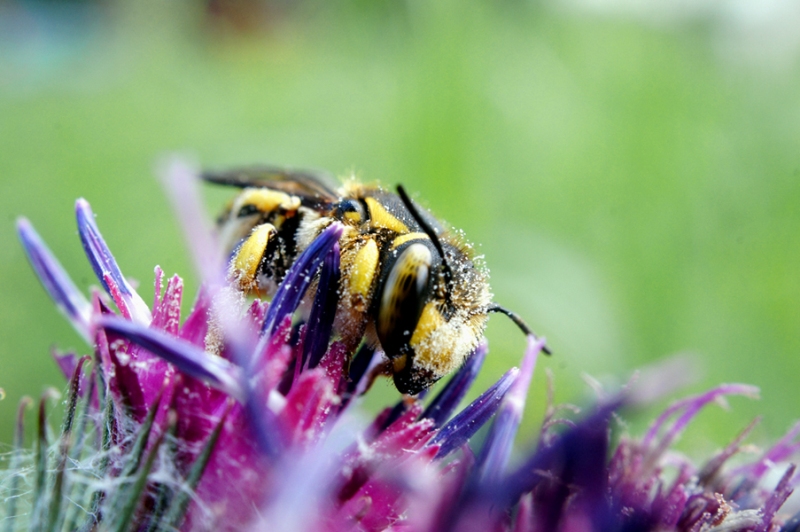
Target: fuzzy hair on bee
{"points": [[407, 283]]}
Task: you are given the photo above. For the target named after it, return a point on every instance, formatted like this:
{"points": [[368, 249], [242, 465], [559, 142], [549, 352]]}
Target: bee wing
{"points": [[312, 186]]}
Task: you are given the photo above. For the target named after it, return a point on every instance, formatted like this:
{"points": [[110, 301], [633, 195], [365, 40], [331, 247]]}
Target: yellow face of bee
{"points": [[406, 283]]}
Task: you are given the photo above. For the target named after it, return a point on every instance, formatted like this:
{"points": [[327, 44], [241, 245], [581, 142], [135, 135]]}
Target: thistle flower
{"points": [[240, 417]]}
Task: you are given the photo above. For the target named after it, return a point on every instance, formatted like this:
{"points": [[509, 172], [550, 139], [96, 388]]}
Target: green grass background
{"points": [[635, 189]]}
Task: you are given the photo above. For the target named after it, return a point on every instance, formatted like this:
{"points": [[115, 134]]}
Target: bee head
{"points": [[428, 325], [433, 307], [430, 308]]}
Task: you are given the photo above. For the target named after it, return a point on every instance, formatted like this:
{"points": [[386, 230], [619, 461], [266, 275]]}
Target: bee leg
{"points": [[360, 267], [248, 258]]}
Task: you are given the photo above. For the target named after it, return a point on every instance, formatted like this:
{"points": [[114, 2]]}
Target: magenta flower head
{"points": [[244, 415]]}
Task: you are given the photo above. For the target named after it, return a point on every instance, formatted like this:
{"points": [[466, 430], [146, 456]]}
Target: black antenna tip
{"points": [[519, 322]]}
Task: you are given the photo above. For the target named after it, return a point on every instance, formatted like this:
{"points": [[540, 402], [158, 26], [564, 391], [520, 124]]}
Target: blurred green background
{"points": [[632, 177]]}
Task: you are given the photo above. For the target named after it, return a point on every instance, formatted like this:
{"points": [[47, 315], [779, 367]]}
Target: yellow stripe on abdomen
{"points": [[267, 201]]}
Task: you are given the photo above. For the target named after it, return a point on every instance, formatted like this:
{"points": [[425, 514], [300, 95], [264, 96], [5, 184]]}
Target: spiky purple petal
{"points": [[781, 451], [446, 401], [106, 268], [320, 321], [496, 449], [262, 419], [299, 277], [189, 359], [359, 365], [180, 180], [195, 327], [308, 405], [122, 377], [167, 308], [69, 300], [66, 362], [575, 462], [468, 421], [386, 418], [776, 500], [690, 407]]}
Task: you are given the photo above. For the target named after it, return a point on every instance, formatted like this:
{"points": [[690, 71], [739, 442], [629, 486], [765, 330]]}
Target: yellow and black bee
{"points": [[406, 282]]}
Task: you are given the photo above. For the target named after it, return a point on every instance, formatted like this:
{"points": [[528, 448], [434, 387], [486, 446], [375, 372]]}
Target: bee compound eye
{"points": [[350, 210], [402, 299]]}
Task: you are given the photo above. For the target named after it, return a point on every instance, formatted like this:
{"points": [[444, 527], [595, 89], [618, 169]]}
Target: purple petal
{"points": [[105, 267], [263, 420], [497, 448], [308, 405], [235, 478], [376, 506], [257, 313], [195, 327], [710, 472], [390, 415], [776, 500], [669, 505], [180, 180], [265, 425], [359, 365], [691, 408], [167, 309], [123, 380], [299, 277], [200, 407], [158, 286], [464, 425], [402, 440], [443, 504], [523, 522], [67, 362], [320, 322], [279, 356], [406, 434], [442, 406], [783, 450], [189, 359], [304, 485], [69, 300], [575, 463], [334, 363]]}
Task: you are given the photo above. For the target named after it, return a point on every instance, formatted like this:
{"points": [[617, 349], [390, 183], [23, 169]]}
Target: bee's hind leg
{"points": [[251, 256]]}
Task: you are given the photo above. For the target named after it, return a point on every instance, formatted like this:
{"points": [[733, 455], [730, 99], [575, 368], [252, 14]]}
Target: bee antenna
{"points": [[426, 227], [516, 319]]}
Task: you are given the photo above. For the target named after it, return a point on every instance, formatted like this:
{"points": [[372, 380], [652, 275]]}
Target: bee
{"points": [[407, 283]]}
